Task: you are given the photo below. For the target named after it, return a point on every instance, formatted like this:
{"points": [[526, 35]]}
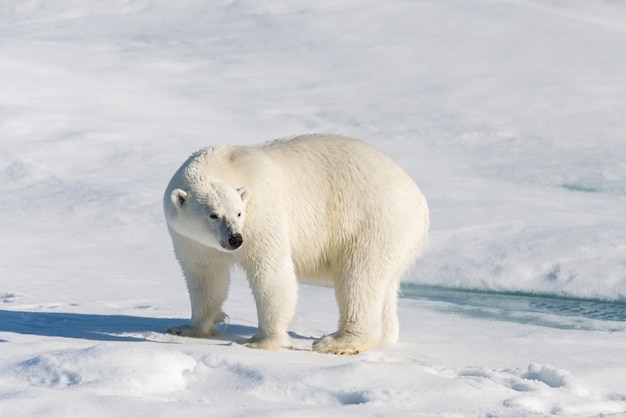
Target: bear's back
{"points": [[341, 169], [340, 191]]}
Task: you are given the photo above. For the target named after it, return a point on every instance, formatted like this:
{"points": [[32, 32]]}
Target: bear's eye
{"points": [[239, 215], [214, 216]]}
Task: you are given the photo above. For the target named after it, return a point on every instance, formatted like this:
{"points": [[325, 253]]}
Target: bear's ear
{"points": [[179, 197], [244, 192]]}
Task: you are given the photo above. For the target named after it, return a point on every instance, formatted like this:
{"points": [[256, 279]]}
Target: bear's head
{"points": [[212, 214]]}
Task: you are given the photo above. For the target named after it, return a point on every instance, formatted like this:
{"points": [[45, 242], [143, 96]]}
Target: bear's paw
{"points": [[341, 343], [267, 343], [193, 332]]}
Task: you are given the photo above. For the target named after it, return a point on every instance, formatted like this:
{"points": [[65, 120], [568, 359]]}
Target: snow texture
{"points": [[509, 115]]}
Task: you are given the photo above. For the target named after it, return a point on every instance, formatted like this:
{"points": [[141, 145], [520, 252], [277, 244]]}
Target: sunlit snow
{"points": [[508, 114]]}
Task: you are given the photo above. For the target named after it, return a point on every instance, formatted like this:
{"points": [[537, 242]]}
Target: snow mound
{"points": [[129, 371]]}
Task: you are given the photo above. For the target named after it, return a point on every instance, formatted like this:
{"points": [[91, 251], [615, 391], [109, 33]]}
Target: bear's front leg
{"points": [[275, 293], [207, 283]]}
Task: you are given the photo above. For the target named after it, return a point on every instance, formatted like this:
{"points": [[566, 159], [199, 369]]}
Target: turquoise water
{"points": [[541, 310]]}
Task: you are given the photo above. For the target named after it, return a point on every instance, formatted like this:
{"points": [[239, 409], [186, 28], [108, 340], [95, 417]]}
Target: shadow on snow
{"points": [[100, 327]]}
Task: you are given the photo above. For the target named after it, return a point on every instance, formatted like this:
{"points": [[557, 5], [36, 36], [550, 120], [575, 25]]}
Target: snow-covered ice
{"points": [[508, 114]]}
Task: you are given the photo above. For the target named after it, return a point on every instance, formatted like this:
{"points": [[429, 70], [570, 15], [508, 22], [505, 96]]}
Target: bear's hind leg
{"points": [[391, 328], [360, 295], [359, 325]]}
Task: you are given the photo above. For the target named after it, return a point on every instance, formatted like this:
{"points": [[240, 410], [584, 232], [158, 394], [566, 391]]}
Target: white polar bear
{"points": [[325, 208]]}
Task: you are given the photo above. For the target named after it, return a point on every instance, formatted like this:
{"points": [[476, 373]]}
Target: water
{"points": [[542, 310]]}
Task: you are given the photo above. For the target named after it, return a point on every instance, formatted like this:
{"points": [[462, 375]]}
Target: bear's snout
{"points": [[235, 240]]}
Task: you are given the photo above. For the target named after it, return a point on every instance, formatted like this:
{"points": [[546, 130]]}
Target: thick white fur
{"points": [[325, 208]]}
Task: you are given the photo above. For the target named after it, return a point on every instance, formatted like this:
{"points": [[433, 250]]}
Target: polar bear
{"points": [[324, 208]]}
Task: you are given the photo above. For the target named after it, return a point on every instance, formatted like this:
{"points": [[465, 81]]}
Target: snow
{"points": [[508, 114]]}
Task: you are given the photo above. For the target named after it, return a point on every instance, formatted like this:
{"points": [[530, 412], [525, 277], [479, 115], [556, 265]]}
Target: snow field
{"points": [[429, 372], [508, 114]]}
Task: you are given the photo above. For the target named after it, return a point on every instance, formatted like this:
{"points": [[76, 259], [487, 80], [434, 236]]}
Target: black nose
{"points": [[235, 240]]}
